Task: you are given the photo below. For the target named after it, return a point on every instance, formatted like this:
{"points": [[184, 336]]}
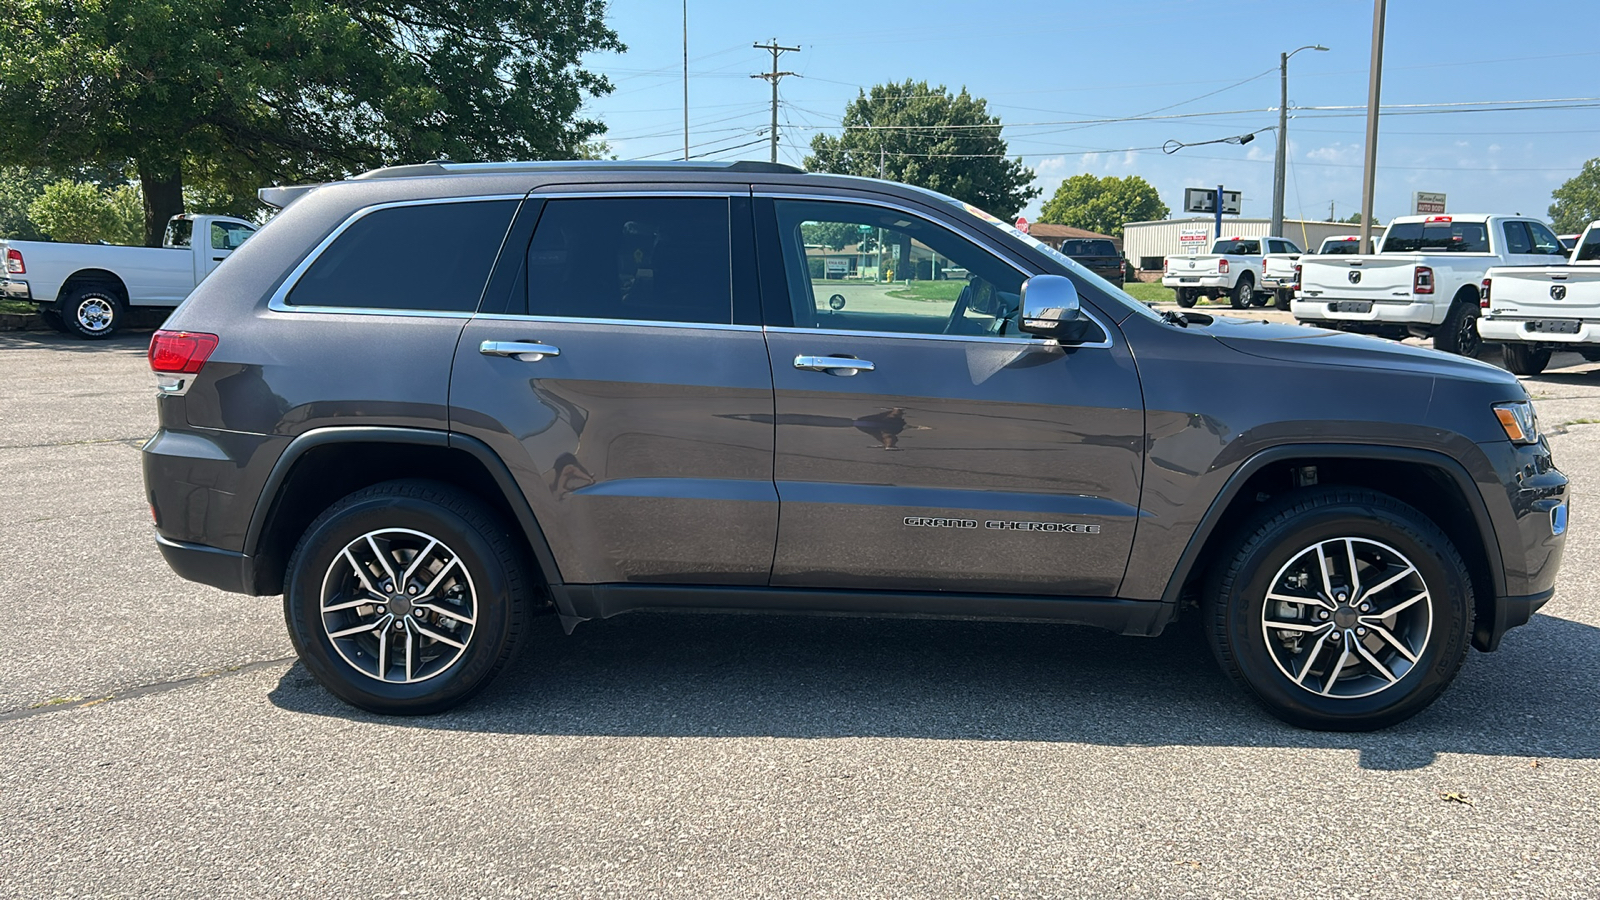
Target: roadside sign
{"points": [[1193, 235], [1022, 225], [1204, 200], [1424, 203], [840, 267]]}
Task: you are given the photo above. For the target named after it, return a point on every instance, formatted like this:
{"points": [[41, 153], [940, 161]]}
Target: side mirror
{"points": [[1050, 309]]}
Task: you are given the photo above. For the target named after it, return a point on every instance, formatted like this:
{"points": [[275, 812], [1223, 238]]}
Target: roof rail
{"points": [[443, 167]]}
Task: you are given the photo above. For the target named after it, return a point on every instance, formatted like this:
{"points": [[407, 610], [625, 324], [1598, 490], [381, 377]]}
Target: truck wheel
{"points": [[92, 312], [1459, 333], [1525, 359], [1592, 354], [1340, 609], [53, 319], [1243, 292], [1186, 297], [1284, 299], [406, 597]]}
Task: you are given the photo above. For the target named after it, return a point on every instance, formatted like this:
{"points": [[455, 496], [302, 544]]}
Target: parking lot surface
{"points": [[158, 739]]}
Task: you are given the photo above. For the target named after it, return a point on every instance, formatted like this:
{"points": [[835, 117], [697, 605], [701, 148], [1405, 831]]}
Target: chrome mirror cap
{"points": [[1049, 306]]}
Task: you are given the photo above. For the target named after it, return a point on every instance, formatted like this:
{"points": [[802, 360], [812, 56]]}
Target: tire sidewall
{"points": [[1451, 607], [1242, 292], [81, 296], [302, 601]]}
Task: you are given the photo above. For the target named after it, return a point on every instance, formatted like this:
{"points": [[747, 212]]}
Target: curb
{"points": [[22, 322]]}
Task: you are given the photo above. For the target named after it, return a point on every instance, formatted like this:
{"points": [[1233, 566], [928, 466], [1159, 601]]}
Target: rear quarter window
{"points": [[431, 257]]}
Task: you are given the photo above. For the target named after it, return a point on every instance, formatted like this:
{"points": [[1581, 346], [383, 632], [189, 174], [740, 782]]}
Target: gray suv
{"points": [[433, 401]]}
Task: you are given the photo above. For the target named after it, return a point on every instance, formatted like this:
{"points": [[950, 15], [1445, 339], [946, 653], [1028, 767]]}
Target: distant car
{"points": [[1098, 255], [1568, 241]]}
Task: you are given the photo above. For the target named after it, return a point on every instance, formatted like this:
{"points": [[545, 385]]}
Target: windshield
{"points": [[1088, 248], [1072, 265]]}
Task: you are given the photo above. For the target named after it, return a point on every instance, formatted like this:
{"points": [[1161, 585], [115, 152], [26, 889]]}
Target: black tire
{"points": [[94, 312], [1284, 298], [53, 319], [1244, 291], [1187, 297], [496, 581], [1524, 359], [1273, 542], [1592, 354], [1459, 333]]}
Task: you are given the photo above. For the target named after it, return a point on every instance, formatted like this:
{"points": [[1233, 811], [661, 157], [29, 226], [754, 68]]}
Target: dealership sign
{"points": [[1192, 235], [1425, 204]]}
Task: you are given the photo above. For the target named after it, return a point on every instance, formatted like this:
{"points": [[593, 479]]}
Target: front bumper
{"points": [[1320, 309], [1530, 525], [1494, 328], [11, 289]]}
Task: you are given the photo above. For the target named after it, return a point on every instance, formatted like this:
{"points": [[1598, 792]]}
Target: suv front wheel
{"points": [[1341, 609], [406, 597]]}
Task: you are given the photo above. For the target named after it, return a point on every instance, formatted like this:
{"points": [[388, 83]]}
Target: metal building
{"points": [[1147, 243]]}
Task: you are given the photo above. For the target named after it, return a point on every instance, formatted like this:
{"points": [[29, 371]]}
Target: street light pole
{"points": [[1374, 91], [1281, 158]]}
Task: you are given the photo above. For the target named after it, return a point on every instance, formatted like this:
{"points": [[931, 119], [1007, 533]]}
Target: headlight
{"points": [[1519, 421]]}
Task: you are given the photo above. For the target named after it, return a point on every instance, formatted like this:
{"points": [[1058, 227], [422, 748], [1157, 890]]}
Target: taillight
{"points": [[1483, 295], [180, 352], [14, 263], [1422, 280], [1166, 263], [1222, 266], [1297, 277]]}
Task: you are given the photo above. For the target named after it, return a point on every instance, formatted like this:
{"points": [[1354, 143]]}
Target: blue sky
{"points": [[1068, 61]]}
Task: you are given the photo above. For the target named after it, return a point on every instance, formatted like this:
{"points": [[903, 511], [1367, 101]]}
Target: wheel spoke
{"points": [[1333, 677], [1311, 659], [1394, 642], [1355, 577], [428, 632], [438, 577], [348, 604], [361, 574], [1401, 607], [359, 629], [1389, 582], [1373, 662], [411, 641], [1299, 626], [447, 613], [383, 653], [406, 578], [1322, 565], [382, 560], [1301, 601]]}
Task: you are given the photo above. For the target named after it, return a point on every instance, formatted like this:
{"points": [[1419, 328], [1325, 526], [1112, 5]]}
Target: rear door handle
{"points": [[526, 351], [833, 365]]}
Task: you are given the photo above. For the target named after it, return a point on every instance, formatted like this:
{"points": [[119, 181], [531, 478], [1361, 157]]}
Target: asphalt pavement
{"points": [[157, 738]]}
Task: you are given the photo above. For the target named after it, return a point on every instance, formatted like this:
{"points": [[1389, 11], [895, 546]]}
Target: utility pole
{"points": [[1374, 91], [686, 80], [1282, 156], [774, 77]]}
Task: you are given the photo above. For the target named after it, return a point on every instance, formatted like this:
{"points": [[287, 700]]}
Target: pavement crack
{"points": [[61, 704]]}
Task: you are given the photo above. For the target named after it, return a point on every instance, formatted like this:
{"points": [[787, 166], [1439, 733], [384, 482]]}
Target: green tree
{"points": [[1103, 204], [19, 187], [1578, 200], [241, 92], [929, 137], [1355, 219], [82, 213]]}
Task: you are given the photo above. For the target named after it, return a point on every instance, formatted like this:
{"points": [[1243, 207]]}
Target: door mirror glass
{"points": [[1050, 309]]}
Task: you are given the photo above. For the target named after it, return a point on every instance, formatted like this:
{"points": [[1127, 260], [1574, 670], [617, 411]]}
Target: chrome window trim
{"points": [[279, 300], [575, 320], [981, 241]]}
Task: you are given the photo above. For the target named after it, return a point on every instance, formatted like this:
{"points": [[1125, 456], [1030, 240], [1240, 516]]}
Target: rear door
{"points": [[922, 442], [618, 367]]}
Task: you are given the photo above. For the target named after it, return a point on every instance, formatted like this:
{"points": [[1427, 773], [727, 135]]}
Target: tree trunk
{"points": [[163, 198]]}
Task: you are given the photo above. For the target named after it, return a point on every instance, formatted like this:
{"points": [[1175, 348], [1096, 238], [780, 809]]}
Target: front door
{"points": [[922, 443], [623, 377]]}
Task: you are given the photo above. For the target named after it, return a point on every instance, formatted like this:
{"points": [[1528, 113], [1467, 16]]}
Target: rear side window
{"points": [[1436, 237], [642, 259], [1517, 238], [432, 257]]}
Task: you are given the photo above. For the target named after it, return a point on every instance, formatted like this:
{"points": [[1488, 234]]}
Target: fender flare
{"points": [[1433, 459], [267, 500]]}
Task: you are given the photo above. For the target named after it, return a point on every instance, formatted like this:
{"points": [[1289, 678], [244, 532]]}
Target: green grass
{"points": [[17, 306], [1149, 293], [934, 291]]}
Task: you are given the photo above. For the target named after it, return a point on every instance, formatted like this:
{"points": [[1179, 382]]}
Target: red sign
{"points": [[1022, 225]]}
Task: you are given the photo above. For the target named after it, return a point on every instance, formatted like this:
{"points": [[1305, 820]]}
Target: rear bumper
{"points": [[1269, 283], [1403, 312], [224, 569], [11, 289], [1499, 329], [1219, 282]]}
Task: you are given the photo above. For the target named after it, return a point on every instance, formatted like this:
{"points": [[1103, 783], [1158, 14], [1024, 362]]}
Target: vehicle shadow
{"points": [[132, 341], [674, 675]]}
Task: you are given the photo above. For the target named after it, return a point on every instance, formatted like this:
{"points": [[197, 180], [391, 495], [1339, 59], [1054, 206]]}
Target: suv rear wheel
{"points": [[1341, 609], [406, 597]]}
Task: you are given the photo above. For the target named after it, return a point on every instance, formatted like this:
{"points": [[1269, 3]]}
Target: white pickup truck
{"points": [[86, 289], [1235, 267], [1534, 310], [1423, 280]]}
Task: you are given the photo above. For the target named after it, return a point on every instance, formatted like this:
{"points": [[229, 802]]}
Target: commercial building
{"points": [[1146, 244]]}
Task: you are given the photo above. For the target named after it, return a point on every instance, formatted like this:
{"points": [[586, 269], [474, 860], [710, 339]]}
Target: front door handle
{"points": [[833, 365], [526, 351]]}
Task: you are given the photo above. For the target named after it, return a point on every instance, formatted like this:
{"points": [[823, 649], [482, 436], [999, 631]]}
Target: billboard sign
{"points": [[1204, 200]]}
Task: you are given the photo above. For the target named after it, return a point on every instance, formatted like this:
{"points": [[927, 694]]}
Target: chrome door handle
{"points": [[526, 351], [833, 365]]}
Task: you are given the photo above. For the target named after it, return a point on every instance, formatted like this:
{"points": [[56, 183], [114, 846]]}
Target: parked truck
{"points": [[1535, 310], [1424, 279], [87, 289], [1235, 268]]}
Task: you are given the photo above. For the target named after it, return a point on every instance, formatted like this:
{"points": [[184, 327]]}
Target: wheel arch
{"points": [[1436, 485], [320, 466], [87, 277]]}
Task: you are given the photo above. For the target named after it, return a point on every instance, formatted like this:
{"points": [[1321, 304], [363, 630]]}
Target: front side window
{"points": [[229, 235], [643, 259], [868, 268], [1545, 242], [425, 257]]}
